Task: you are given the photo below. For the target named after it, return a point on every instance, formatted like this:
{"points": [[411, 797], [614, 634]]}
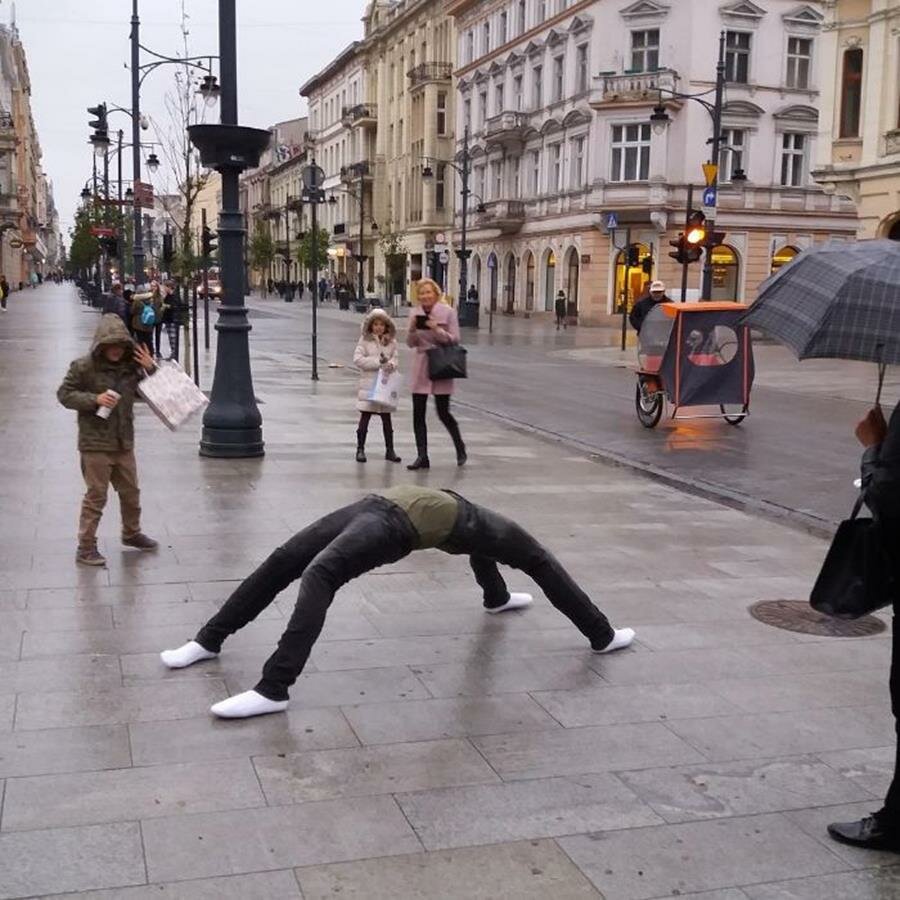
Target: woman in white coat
{"points": [[376, 351]]}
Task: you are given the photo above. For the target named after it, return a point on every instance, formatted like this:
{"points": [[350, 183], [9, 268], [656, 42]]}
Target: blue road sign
{"points": [[612, 221], [709, 197]]}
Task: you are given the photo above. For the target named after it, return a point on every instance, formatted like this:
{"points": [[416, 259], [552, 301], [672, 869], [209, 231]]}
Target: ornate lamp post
{"points": [[232, 424]]}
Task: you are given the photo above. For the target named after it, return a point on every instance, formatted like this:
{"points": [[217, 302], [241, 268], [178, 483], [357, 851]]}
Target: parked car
{"points": [[215, 285]]}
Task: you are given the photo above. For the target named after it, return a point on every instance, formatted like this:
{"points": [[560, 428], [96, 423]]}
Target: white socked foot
{"points": [[242, 706], [516, 601], [622, 637], [186, 655]]}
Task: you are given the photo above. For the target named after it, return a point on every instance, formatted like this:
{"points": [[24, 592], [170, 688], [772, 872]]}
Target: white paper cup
{"points": [[104, 411]]}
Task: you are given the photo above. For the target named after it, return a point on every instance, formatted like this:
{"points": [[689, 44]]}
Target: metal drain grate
{"points": [[798, 615]]}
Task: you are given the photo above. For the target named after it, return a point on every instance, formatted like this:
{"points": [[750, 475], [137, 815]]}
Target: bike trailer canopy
{"points": [[709, 356]]}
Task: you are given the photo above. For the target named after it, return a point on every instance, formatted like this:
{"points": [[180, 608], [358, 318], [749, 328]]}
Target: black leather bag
{"points": [[446, 361], [857, 576]]}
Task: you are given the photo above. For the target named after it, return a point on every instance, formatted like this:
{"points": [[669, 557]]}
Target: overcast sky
{"points": [[77, 50]]}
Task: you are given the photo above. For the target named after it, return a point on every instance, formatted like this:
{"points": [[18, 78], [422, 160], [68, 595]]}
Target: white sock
{"points": [[622, 637], [242, 706], [186, 655], [516, 601]]}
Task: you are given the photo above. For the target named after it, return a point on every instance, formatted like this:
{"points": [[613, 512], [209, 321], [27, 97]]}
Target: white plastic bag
{"points": [[171, 394], [385, 389]]}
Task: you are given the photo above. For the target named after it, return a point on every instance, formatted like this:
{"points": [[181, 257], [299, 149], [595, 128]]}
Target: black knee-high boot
{"points": [[388, 429], [361, 431]]}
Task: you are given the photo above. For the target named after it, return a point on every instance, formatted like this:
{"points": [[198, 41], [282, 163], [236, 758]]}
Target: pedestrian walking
{"points": [[642, 307], [560, 310], [145, 310], [375, 354], [114, 303], [4, 292], [33, 279], [881, 493], [170, 319], [431, 324], [101, 388], [380, 529]]}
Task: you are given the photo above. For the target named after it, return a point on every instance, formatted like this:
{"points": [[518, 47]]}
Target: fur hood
{"points": [[366, 329]]}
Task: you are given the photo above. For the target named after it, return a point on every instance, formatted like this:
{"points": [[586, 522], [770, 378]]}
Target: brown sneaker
{"points": [[141, 541], [89, 557]]}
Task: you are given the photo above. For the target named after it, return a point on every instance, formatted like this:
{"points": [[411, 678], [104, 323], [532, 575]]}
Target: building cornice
{"points": [[525, 36], [332, 69]]}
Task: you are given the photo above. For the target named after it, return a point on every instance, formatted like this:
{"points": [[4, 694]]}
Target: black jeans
{"points": [[145, 338], [420, 429], [488, 538], [890, 812], [324, 556]]}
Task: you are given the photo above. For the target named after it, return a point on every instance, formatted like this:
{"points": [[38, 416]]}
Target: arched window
{"points": [[725, 273], [851, 92], [476, 274], [510, 287], [783, 256], [893, 233], [529, 282], [637, 278], [572, 281], [549, 280]]}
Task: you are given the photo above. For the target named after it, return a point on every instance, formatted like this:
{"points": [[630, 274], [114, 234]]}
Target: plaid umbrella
{"points": [[839, 300]]}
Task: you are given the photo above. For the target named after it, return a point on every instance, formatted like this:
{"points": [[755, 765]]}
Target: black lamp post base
{"points": [[226, 443]]}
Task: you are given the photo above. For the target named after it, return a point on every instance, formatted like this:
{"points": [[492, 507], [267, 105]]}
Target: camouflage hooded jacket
{"points": [[93, 374]]}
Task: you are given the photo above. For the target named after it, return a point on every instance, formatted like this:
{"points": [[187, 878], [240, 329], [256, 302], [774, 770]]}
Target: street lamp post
{"points": [[361, 170], [313, 178], [232, 424], [660, 116]]}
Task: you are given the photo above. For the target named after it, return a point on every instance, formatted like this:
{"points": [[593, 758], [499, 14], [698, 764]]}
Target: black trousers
{"points": [[420, 428], [375, 532], [387, 429], [890, 812], [145, 338]]}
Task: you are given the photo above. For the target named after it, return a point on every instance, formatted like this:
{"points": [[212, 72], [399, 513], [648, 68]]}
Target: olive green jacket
{"points": [[92, 375]]}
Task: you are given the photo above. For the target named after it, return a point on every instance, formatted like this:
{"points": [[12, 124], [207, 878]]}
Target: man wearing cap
{"points": [[646, 303]]}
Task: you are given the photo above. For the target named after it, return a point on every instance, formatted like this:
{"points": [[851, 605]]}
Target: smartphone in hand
{"points": [[422, 322]]}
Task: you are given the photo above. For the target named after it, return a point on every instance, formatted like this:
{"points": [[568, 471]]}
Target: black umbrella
{"points": [[839, 300]]}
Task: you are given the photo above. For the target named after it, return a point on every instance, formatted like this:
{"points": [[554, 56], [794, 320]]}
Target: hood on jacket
{"points": [[111, 330], [390, 327]]}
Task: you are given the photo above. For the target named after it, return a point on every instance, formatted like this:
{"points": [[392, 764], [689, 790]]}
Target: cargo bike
{"points": [[695, 356]]}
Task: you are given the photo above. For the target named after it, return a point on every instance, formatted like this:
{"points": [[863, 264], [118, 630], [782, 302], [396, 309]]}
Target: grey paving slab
{"points": [[7, 711], [421, 720], [83, 798], [573, 751], [355, 772], [496, 676], [484, 814], [695, 635], [261, 839], [644, 863], [608, 705], [59, 619], [337, 655], [716, 790], [528, 870], [107, 596], [260, 886], [800, 692], [820, 657], [871, 768], [786, 733], [70, 859], [162, 615], [34, 675], [207, 738], [870, 884], [138, 703], [64, 750]]}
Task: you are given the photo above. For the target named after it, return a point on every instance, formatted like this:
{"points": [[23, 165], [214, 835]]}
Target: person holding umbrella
{"points": [[842, 301]]}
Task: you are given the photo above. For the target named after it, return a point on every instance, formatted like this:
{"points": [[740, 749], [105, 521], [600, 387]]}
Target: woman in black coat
{"points": [[881, 487]]}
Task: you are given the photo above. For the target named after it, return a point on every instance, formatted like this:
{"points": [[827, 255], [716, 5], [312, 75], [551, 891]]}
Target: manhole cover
{"points": [[798, 615]]}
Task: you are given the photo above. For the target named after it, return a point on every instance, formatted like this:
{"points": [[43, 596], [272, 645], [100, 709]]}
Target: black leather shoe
{"points": [[462, 458], [421, 462], [360, 454], [867, 833], [390, 456]]}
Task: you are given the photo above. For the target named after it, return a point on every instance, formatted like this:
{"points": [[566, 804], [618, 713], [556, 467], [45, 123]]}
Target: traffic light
{"points": [[98, 123], [647, 266], [680, 250], [168, 249], [690, 243], [209, 241], [633, 255]]}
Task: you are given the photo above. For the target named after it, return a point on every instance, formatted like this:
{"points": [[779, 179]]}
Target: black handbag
{"points": [[857, 576], [446, 361]]}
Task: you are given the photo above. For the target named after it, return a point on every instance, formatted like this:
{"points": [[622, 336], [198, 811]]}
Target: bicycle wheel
{"points": [[649, 406], [733, 418]]}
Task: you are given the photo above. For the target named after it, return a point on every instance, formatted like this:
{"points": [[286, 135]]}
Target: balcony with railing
{"points": [[632, 87], [507, 215], [365, 114], [427, 72], [358, 171], [507, 127]]}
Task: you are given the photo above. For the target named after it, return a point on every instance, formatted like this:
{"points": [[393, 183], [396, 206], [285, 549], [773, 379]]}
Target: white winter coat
{"points": [[370, 355]]}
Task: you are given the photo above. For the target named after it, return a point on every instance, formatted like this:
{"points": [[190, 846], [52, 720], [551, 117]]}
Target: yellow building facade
{"points": [[860, 111]]}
